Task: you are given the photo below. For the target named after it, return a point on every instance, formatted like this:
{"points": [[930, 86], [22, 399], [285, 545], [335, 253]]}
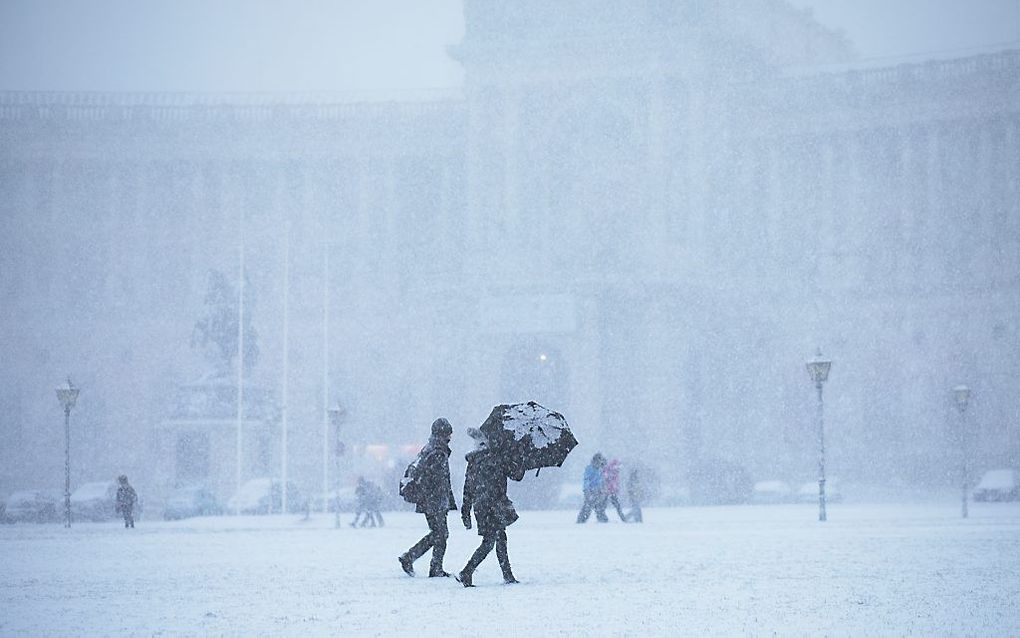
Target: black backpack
{"points": [[410, 485]]}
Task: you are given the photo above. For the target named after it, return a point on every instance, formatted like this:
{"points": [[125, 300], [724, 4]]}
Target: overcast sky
{"points": [[352, 45]]}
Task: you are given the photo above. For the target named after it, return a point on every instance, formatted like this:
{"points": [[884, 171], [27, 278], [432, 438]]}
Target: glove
{"points": [[465, 516]]}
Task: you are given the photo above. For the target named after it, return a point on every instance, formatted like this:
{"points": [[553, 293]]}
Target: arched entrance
{"points": [[535, 370]]}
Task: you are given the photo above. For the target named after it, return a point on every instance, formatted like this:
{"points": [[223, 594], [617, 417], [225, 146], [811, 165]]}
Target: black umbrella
{"points": [[531, 435]]}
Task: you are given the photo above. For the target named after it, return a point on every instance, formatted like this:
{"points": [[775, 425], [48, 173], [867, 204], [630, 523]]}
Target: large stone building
{"points": [[644, 215]]}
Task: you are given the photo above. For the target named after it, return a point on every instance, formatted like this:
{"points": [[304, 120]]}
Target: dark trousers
{"points": [[129, 519], [593, 501], [434, 540], [635, 512], [372, 518], [498, 539], [615, 500]]}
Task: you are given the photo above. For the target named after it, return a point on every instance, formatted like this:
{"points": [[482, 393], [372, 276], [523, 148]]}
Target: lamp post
{"points": [[67, 395], [962, 395], [818, 370], [336, 417]]}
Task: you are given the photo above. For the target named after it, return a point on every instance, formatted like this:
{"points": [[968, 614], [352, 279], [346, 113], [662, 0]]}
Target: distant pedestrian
{"points": [[374, 504], [636, 495], [126, 499], [369, 496], [611, 474], [434, 499], [360, 498], [594, 491], [485, 492]]}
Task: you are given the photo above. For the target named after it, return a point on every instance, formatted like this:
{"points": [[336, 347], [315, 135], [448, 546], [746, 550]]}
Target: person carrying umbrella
{"points": [[485, 491], [435, 500]]}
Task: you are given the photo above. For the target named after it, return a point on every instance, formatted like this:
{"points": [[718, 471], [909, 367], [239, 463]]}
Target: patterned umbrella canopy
{"points": [[533, 436]]}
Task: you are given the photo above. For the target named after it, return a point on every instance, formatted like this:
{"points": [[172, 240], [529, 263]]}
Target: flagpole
{"points": [[286, 366], [240, 357], [325, 375]]}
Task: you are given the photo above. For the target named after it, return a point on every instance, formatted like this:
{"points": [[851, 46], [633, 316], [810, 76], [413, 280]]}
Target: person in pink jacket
{"points": [[611, 477]]}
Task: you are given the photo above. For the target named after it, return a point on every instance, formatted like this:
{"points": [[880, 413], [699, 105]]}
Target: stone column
{"points": [[655, 233], [511, 178], [931, 227], [983, 248], [828, 241], [697, 175], [771, 217], [852, 270]]}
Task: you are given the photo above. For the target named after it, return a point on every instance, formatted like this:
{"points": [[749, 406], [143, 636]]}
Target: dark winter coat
{"points": [[434, 479], [126, 499], [485, 491], [369, 495]]}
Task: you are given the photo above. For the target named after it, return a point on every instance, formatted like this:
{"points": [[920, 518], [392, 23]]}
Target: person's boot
{"points": [[464, 578], [406, 564], [504, 561], [439, 574]]}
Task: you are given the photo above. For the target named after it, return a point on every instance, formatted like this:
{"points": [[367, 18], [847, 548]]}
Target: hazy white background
{"points": [[345, 45]]}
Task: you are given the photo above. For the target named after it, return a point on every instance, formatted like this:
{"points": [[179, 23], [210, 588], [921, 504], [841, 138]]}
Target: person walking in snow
{"points": [[369, 496], [435, 500], [126, 499], [636, 495], [373, 504], [611, 474], [485, 492], [594, 491]]}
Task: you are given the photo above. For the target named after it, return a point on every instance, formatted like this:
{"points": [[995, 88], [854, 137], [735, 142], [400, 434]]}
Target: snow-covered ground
{"points": [[870, 570]]}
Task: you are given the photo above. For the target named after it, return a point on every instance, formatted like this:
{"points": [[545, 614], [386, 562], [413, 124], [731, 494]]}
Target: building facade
{"points": [[645, 219]]}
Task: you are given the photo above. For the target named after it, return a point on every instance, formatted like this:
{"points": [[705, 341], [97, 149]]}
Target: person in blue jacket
{"points": [[595, 494]]}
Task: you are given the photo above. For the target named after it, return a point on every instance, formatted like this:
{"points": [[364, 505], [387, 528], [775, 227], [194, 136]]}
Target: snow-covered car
{"points": [[265, 496], [771, 492], [716, 481], [194, 500], [96, 501], [998, 485], [808, 492], [347, 498], [32, 506], [571, 496]]}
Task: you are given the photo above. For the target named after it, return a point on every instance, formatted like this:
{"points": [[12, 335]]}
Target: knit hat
{"points": [[441, 427]]}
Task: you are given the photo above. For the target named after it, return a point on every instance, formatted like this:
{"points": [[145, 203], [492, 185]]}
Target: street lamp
{"points": [[818, 370], [962, 395], [336, 417], [67, 395]]}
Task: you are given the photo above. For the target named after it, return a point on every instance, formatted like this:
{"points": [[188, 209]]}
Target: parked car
{"points": [[808, 492], [998, 485], [95, 502], [571, 496], [719, 482], [32, 506], [192, 500], [771, 492], [347, 498], [265, 496]]}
